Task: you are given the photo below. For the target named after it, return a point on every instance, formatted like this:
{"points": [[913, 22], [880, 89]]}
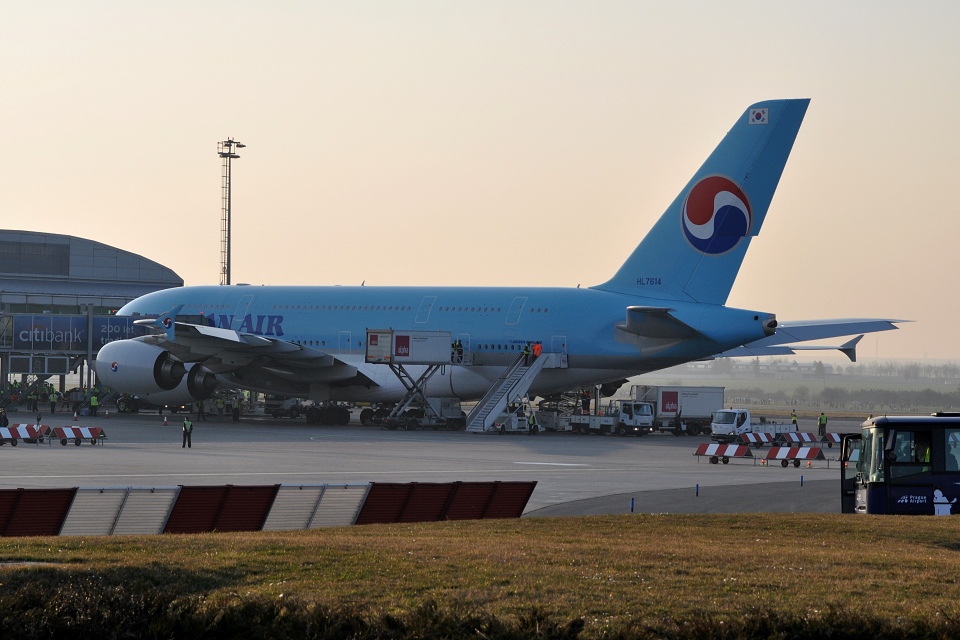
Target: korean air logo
{"points": [[716, 215], [167, 322], [114, 366]]}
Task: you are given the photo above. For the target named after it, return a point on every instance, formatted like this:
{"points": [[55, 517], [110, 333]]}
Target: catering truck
{"points": [[694, 406]]}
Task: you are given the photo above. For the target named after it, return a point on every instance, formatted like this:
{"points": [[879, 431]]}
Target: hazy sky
{"points": [[492, 143]]}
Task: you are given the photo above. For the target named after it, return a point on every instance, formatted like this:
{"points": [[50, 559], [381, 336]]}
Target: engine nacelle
{"points": [[136, 368], [201, 382]]}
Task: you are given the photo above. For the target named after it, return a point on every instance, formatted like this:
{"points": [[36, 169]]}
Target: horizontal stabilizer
{"points": [[656, 322]]}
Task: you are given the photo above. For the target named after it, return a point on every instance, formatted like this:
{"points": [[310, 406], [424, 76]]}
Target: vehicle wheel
{"points": [[784, 463], [93, 441], [63, 441], [343, 416], [726, 460], [123, 405], [714, 459], [411, 424], [77, 442], [622, 429], [275, 414], [693, 429], [829, 445], [585, 429], [796, 463], [13, 442], [366, 417], [313, 415]]}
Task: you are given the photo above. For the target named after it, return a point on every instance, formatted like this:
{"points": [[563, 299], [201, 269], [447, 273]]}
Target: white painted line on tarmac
{"points": [[556, 464]]}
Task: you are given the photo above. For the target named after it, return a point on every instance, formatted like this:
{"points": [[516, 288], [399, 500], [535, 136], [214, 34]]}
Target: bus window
{"points": [[870, 464], [908, 452], [952, 437]]}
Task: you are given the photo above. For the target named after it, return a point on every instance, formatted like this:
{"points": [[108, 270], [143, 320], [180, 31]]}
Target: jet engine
{"points": [[137, 368]]}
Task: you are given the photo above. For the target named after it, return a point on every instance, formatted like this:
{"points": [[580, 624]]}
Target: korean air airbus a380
{"points": [[665, 306]]}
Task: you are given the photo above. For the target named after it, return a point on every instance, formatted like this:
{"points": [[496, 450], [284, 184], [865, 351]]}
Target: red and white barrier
{"points": [[26, 432], [796, 439], [796, 454], [95, 435], [831, 439], [756, 440], [722, 452]]}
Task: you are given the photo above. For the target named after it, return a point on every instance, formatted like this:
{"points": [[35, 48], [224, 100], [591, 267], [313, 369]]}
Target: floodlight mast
{"points": [[226, 152]]}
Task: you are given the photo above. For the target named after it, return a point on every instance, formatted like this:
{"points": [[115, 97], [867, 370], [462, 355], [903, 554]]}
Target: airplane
{"points": [[665, 306]]}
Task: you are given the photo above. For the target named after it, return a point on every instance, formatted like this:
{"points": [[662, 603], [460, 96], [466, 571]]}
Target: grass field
{"points": [[761, 575]]}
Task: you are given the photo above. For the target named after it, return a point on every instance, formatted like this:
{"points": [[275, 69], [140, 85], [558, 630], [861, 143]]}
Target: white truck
{"points": [[729, 423], [694, 406], [620, 416]]}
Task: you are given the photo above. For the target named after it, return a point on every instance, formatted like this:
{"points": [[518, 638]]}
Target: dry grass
{"points": [[614, 573]]}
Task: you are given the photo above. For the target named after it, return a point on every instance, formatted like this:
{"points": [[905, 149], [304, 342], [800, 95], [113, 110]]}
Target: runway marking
{"points": [[556, 464]]}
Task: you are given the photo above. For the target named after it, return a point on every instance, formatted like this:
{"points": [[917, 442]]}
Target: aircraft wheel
{"points": [[366, 417], [343, 416], [784, 464], [726, 460], [313, 415], [714, 459]]}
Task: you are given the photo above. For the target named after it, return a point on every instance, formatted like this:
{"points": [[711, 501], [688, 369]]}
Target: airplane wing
{"points": [[257, 360], [782, 342]]}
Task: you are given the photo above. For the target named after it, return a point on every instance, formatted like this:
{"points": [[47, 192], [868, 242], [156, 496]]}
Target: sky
{"points": [[492, 143]]}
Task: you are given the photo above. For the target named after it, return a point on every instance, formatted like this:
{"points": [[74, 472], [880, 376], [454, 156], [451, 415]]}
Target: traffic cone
{"points": [[106, 413], [74, 416], [165, 423], [809, 464]]}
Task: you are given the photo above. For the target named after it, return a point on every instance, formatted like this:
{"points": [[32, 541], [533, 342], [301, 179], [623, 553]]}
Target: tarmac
{"points": [[575, 474]]}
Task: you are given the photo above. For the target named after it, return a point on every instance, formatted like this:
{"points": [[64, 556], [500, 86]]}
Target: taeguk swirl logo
{"points": [[716, 215]]}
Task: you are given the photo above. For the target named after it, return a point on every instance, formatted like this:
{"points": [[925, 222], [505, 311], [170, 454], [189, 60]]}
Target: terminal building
{"points": [[58, 297]]}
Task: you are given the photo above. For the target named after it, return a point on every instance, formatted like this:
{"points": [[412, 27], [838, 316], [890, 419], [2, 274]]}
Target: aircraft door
{"points": [[426, 306], [558, 344], [344, 343], [516, 307], [240, 312]]}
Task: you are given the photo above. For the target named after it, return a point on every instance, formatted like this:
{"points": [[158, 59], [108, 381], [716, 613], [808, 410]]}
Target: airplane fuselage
{"points": [[492, 324]]}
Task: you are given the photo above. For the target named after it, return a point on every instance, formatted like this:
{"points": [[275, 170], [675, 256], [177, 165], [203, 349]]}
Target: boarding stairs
{"points": [[511, 386]]}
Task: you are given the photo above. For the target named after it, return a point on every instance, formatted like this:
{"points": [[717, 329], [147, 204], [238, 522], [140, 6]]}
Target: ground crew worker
{"points": [[220, 406], [793, 419], [822, 424], [94, 404], [53, 402], [537, 350], [526, 354], [187, 433], [531, 424], [201, 412]]}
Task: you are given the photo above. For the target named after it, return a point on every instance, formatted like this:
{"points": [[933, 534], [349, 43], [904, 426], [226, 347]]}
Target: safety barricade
{"points": [[795, 454], [756, 440], [830, 439], [722, 452], [95, 435], [795, 439], [31, 433]]}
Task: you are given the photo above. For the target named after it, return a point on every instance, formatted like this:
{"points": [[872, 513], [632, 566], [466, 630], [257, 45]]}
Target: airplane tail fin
{"points": [[695, 250]]}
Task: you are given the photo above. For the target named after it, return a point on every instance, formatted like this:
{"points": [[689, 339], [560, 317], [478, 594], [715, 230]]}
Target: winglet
{"points": [[849, 349], [166, 322]]}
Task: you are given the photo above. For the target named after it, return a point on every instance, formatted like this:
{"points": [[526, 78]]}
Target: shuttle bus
{"points": [[904, 465]]}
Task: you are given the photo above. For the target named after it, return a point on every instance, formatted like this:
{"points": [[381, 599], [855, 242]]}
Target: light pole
{"points": [[226, 152]]}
